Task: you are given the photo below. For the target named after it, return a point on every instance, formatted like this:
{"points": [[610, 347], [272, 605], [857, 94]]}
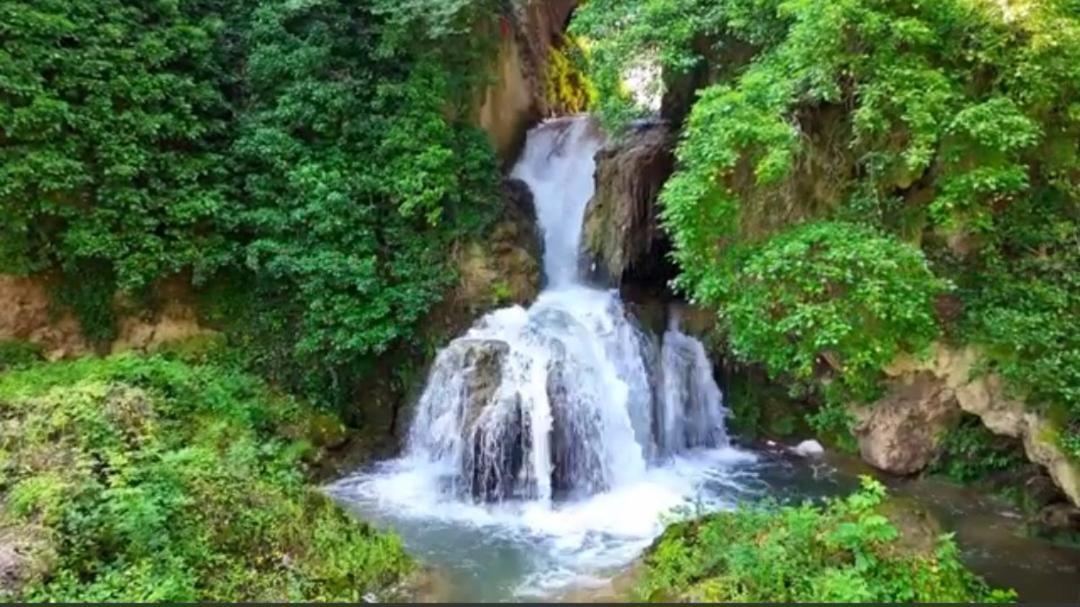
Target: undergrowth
{"points": [[844, 551], [153, 479]]}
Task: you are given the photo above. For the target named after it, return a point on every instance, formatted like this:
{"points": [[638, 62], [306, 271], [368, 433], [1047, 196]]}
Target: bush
{"points": [[971, 453], [114, 116], [14, 353], [320, 151], [844, 551], [831, 299], [161, 481]]}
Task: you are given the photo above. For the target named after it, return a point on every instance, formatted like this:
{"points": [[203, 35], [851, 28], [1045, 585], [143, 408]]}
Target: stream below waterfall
{"points": [[551, 444]]}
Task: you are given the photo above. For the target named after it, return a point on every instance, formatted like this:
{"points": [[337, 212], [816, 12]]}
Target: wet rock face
{"points": [[902, 432], [496, 431], [576, 466], [622, 237], [500, 440], [482, 365]]}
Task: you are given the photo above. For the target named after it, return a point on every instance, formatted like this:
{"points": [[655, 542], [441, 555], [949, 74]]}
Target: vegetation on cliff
{"points": [[844, 551], [313, 155], [943, 134], [130, 479]]}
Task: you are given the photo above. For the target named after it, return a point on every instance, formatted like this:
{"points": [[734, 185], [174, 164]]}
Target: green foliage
{"points": [[14, 353], [566, 86], [314, 152], [1024, 310], [831, 295], [950, 124], [163, 481], [91, 300], [357, 180], [833, 422], [760, 408], [846, 551], [971, 453], [111, 145]]}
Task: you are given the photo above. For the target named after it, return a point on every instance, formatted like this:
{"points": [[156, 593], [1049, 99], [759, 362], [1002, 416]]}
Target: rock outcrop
{"points": [[501, 268], [622, 235], [935, 389], [494, 430], [515, 99], [27, 314], [902, 432], [171, 318]]}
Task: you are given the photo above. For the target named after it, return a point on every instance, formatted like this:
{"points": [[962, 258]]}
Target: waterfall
{"points": [[570, 397], [691, 407]]}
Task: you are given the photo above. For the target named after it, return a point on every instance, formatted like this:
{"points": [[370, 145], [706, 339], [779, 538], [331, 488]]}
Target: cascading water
{"points": [[563, 429], [556, 400]]}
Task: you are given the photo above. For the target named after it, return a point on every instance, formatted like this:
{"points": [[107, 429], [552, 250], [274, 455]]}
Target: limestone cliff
{"points": [[902, 432]]}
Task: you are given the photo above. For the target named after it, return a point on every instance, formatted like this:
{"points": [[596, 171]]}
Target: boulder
{"points": [[481, 365], [901, 433], [622, 234], [26, 556], [495, 430], [1060, 518], [809, 449]]}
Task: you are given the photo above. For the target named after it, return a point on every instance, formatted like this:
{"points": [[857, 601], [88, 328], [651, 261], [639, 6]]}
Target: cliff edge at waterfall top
{"points": [[549, 441]]}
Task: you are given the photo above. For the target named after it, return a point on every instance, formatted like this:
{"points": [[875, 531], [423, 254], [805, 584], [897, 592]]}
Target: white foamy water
{"points": [[550, 442]]}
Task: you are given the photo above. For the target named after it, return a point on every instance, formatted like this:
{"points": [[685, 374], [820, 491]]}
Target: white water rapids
{"points": [[550, 442]]}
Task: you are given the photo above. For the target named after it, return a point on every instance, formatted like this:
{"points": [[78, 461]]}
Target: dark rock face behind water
{"points": [[622, 236], [495, 430], [576, 467]]}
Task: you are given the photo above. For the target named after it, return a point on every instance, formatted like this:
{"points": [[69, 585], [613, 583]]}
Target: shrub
{"points": [[844, 551], [950, 124], [971, 453], [14, 353], [832, 299]]}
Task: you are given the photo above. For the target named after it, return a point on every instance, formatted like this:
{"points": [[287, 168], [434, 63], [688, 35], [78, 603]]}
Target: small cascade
{"points": [[691, 406], [568, 398]]}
